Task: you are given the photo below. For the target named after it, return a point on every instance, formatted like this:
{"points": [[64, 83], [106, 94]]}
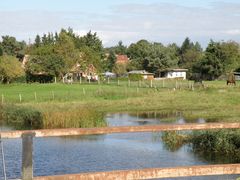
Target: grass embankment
{"points": [[84, 105]]}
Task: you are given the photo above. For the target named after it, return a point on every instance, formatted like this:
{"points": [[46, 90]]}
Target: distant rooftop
{"points": [[143, 72], [122, 59], [175, 70]]}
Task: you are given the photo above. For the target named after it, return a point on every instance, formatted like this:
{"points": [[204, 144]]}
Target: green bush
{"points": [[21, 117], [220, 141], [173, 140], [135, 77]]}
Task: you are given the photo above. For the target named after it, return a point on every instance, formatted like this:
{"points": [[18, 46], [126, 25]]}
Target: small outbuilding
{"points": [[144, 74], [237, 75], [174, 73]]}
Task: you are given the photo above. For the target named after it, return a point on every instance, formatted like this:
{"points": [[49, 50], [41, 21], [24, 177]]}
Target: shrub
{"points": [[21, 117], [135, 77], [220, 141], [173, 140]]}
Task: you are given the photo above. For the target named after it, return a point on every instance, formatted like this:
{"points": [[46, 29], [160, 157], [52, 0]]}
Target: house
{"points": [[145, 75], [174, 73], [109, 75], [77, 72], [237, 75], [122, 59], [25, 60]]}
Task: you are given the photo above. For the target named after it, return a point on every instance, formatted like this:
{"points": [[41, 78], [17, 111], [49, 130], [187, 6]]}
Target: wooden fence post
{"points": [[35, 96], [20, 98], [53, 95], [27, 156], [2, 98]]}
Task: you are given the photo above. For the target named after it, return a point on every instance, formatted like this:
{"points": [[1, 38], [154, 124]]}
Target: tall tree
{"points": [[11, 46], [120, 48], [10, 69], [230, 56], [65, 48], [211, 65], [111, 60], [37, 41]]}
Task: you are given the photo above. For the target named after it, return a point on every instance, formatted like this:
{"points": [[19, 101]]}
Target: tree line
{"points": [[54, 54]]}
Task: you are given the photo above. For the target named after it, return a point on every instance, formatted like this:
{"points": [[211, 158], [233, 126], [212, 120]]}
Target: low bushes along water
{"points": [[23, 117], [220, 142]]}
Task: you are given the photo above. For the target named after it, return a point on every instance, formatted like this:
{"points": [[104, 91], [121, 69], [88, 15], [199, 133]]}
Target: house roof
{"points": [[143, 72], [236, 73], [174, 70], [122, 59]]}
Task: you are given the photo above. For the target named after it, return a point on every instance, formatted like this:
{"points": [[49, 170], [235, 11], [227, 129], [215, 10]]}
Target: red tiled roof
{"points": [[122, 59]]}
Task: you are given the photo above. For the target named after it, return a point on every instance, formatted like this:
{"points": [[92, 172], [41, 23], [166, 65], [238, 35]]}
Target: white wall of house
{"points": [[179, 74]]}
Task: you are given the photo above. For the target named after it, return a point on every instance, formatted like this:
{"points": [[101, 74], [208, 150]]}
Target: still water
{"points": [[69, 155]]}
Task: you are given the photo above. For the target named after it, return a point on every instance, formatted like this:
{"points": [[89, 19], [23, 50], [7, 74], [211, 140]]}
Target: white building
{"points": [[174, 73]]}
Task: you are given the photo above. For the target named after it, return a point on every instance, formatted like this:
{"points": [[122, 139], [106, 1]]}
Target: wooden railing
{"points": [[27, 158]]}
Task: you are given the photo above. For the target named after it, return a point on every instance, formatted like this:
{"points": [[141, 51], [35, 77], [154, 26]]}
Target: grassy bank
{"points": [[64, 105]]}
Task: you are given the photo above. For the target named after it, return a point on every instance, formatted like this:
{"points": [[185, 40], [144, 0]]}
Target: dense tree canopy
{"points": [[55, 54], [10, 46], [10, 69]]}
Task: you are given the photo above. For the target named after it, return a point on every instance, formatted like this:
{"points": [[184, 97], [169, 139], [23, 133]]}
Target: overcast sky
{"points": [[165, 21]]}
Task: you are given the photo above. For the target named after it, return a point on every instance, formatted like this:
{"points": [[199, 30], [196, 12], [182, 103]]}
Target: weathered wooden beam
{"points": [[27, 156], [124, 129], [206, 170]]}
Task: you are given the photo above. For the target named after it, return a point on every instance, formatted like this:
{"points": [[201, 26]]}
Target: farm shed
{"points": [[174, 73]]}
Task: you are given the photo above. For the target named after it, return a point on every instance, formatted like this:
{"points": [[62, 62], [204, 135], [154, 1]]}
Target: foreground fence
{"points": [[27, 149]]}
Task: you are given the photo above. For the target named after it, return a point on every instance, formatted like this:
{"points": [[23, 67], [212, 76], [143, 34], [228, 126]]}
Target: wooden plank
{"points": [[124, 129], [186, 171]]}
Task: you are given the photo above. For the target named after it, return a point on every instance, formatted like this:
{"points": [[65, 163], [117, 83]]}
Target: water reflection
{"points": [[149, 118]]}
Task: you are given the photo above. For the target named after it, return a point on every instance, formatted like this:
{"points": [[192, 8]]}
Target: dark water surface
{"points": [[68, 155]]}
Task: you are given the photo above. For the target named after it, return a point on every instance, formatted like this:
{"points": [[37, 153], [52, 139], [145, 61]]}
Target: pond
{"points": [[69, 155]]}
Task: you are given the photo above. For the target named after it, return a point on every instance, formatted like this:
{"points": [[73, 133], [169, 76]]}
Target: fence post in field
{"points": [[2, 98], [55, 80], [192, 87], [53, 95], [27, 156], [176, 85], [151, 83], [108, 80], [80, 80], [89, 81], [129, 83], [118, 82], [20, 98], [35, 96], [84, 91]]}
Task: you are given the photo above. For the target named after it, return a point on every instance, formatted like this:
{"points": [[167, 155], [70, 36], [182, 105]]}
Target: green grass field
{"points": [[63, 102]]}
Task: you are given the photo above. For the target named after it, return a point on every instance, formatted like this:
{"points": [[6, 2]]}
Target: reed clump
{"points": [[73, 118]]}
